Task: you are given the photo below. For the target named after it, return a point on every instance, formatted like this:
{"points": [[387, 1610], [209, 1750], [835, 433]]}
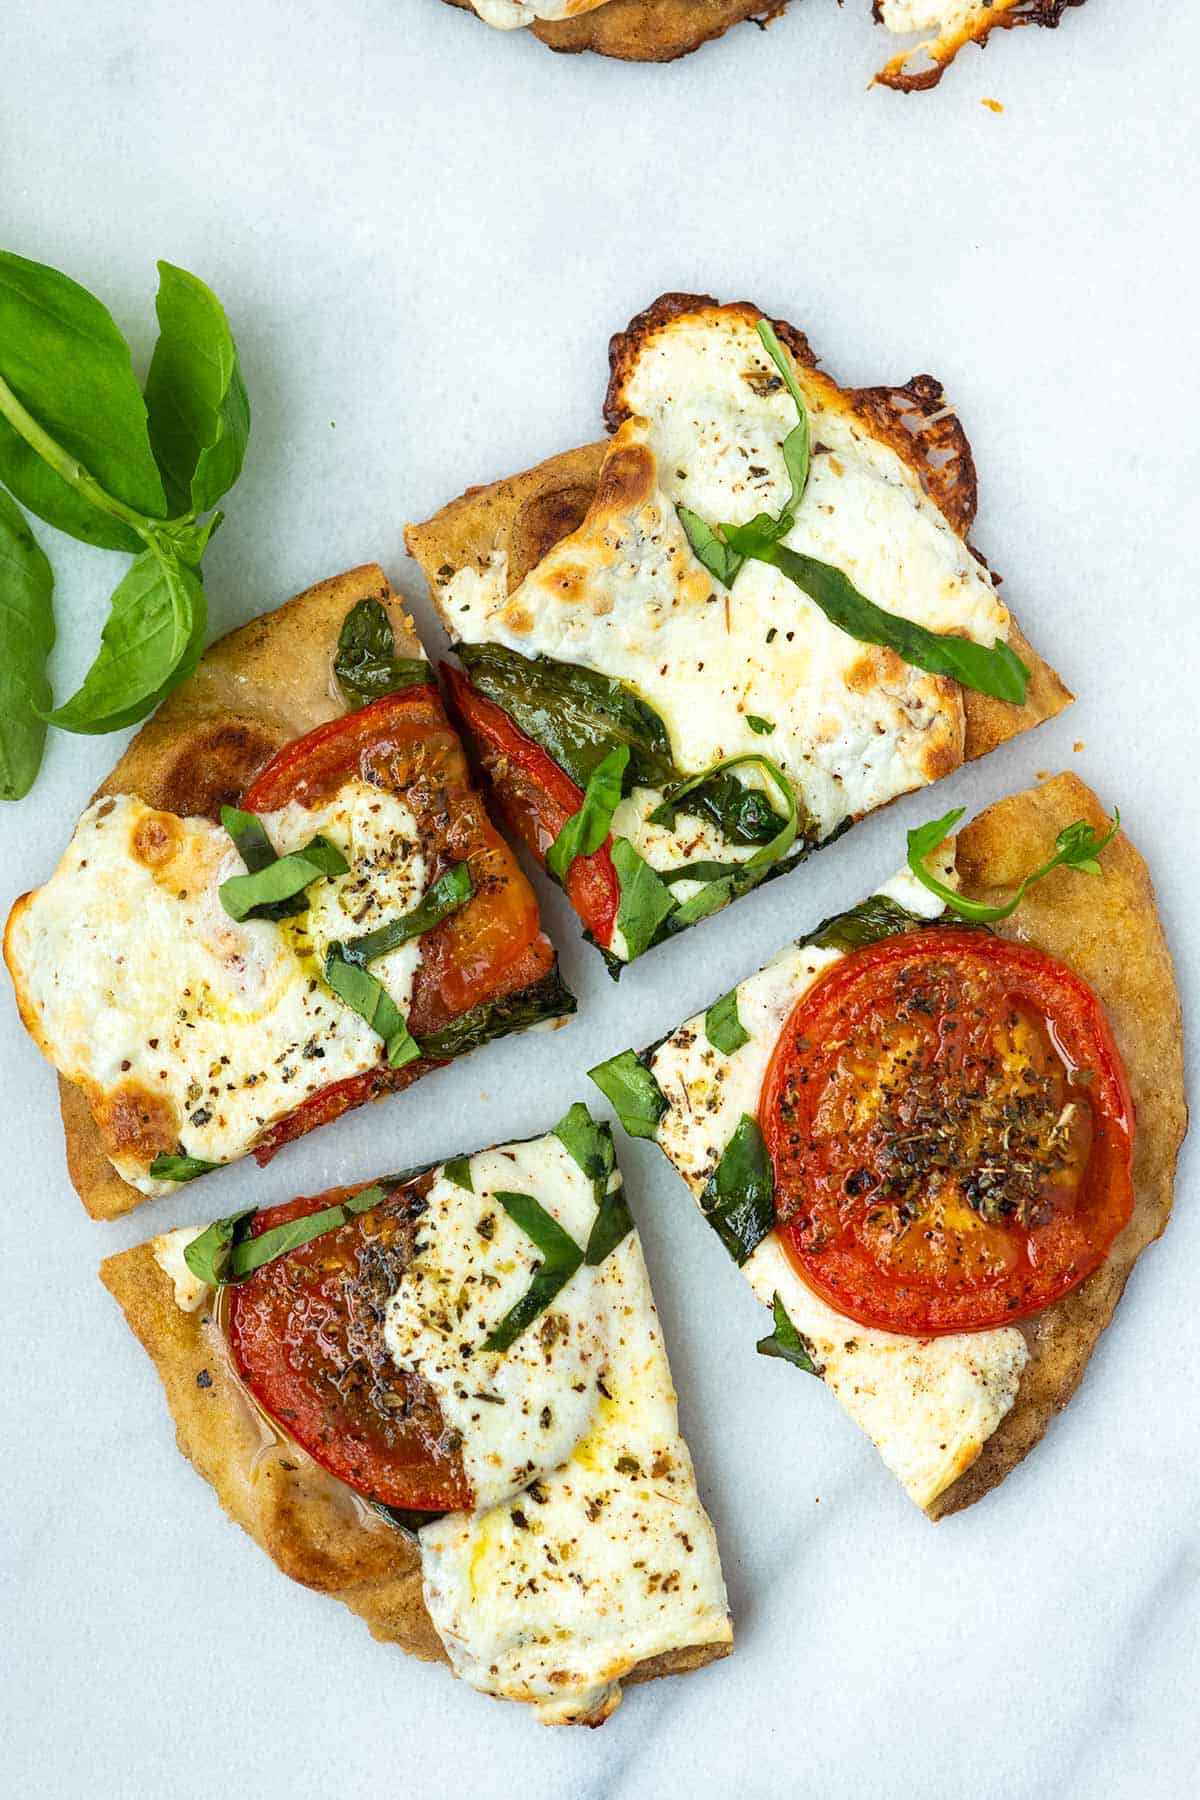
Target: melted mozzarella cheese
{"points": [[190, 1291], [507, 15], [134, 980], [928, 1404], [551, 1595]]}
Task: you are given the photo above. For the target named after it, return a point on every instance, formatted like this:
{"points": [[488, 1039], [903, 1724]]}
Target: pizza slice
{"points": [[444, 1399], [286, 899], [689, 656], [937, 1133]]}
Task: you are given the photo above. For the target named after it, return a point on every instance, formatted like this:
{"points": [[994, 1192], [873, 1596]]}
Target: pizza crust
{"points": [[1109, 932], [312, 1526], [648, 30]]}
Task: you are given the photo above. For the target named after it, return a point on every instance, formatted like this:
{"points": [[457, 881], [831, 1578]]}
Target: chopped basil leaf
{"points": [[226, 1252], [635, 1095], [613, 1223], [561, 1256], [404, 1518], [169, 1165], [372, 1002], [645, 900], [763, 727], [742, 814], [458, 1170], [589, 1144], [366, 664], [740, 877], [1077, 846], [872, 919], [250, 837], [722, 1026], [576, 714], [452, 889], [787, 1342], [586, 830], [253, 895], [739, 1201], [547, 999], [709, 549]]}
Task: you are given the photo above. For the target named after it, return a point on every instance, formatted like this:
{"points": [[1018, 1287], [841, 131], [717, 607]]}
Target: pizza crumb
{"points": [[992, 105], [1078, 745], [1043, 774]]}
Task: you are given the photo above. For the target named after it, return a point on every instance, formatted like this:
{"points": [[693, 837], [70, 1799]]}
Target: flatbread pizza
{"points": [[937, 1133], [691, 655], [445, 1401], [286, 899]]}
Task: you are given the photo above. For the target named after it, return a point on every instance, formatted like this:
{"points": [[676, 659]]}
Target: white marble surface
{"points": [[425, 234]]}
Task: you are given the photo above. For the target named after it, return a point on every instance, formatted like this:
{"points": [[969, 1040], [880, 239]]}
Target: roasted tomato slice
{"points": [[538, 798], [491, 947], [951, 1132], [307, 1338]]}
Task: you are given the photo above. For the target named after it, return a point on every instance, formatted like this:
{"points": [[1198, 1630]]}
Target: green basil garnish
{"points": [[738, 878], [257, 894], [547, 999], [577, 715], [452, 889], [372, 1002], [405, 1519], [739, 1200], [645, 899], [561, 1256], [629, 1086], [226, 1252], [709, 549], [366, 664], [591, 1146], [760, 726], [26, 640], [872, 919], [586, 830], [785, 1341], [613, 1223], [1076, 847], [171, 1165], [722, 1026], [458, 1170]]}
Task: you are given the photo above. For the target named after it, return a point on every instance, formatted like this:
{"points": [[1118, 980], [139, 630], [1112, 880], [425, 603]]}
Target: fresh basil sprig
{"points": [[226, 1252], [785, 1341], [1077, 846], [372, 1002], [366, 664], [561, 1256], [739, 1200], [452, 889], [261, 892], [84, 449], [633, 1092], [586, 830]]}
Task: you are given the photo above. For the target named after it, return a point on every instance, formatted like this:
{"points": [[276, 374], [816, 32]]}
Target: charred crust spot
{"points": [[155, 839], [135, 1122], [541, 523], [214, 765]]}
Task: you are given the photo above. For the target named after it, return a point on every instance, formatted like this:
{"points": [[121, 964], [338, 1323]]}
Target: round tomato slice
{"points": [[538, 798], [951, 1132], [307, 1339]]}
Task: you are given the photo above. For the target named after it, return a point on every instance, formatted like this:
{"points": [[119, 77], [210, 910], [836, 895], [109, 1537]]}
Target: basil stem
{"points": [[366, 664], [786, 1342], [561, 1256], [586, 830], [256, 894], [372, 1002], [633, 1092], [1077, 846], [722, 1026], [739, 1200], [452, 889], [226, 1252]]}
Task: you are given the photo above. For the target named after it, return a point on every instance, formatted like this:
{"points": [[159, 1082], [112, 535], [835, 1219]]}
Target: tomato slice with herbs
{"points": [[951, 1132], [538, 798], [307, 1339], [491, 947]]}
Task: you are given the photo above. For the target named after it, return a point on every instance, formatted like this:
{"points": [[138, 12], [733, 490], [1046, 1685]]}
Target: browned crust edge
{"points": [[1109, 932], [648, 30], [310, 1526], [1024, 12]]}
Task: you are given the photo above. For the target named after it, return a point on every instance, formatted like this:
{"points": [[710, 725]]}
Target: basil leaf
{"points": [[26, 639], [1077, 847], [739, 1200], [366, 664], [561, 1256], [709, 549], [742, 814], [998, 671], [576, 714], [633, 1092], [372, 1002], [761, 727], [196, 401], [787, 1342], [722, 1026], [151, 641], [589, 1144], [250, 837], [405, 1518], [170, 1165], [458, 1170], [250, 896], [740, 877], [795, 444], [586, 830], [610, 1227], [546, 999], [645, 900], [452, 889], [226, 1252], [865, 923], [66, 380]]}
